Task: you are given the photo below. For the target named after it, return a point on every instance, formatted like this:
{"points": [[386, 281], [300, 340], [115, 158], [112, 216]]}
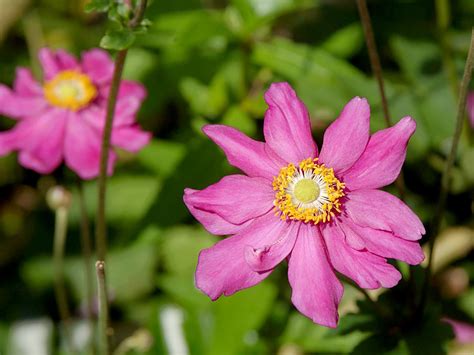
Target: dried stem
{"points": [[377, 70], [103, 309], [445, 179], [60, 231]]}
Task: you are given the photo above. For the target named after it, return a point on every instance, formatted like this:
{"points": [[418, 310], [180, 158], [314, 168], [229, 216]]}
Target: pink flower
{"points": [[322, 211], [463, 332], [63, 118], [470, 107]]}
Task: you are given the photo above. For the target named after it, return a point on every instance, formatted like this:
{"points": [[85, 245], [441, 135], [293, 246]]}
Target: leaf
{"points": [[345, 42], [118, 39], [97, 6], [162, 156]]}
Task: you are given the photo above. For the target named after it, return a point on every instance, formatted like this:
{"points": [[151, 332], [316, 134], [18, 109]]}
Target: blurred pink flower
{"points": [[470, 107], [463, 332], [63, 118], [322, 212]]}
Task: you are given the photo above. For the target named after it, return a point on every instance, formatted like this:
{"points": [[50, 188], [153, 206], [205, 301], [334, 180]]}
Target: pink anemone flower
{"points": [[323, 212], [63, 117], [470, 107]]}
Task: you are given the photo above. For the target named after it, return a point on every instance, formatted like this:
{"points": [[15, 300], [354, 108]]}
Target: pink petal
{"points": [[222, 269], [132, 89], [287, 127], [383, 243], [269, 256], [130, 138], [366, 269], [8, 142], [380, 210], [40, 141], [18, 106], [82, 148], [463, 332], [213, 223], [383, 157], [25, 84], [316, 289], [346, 138], [236, 198], [54, 62], [470, 107], [250, 156], [98, 65]]}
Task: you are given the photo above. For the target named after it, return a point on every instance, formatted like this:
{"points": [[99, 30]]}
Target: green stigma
{"points": [[306, 190]]}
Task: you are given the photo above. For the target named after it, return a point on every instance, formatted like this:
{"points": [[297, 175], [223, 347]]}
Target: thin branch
{"points": [[377, 70], [103, 309], [446, 177]]}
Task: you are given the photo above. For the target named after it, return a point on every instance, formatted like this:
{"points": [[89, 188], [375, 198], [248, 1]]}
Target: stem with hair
{"points": [[103, 309], [445, 179], [101, 236], [377, 70]]}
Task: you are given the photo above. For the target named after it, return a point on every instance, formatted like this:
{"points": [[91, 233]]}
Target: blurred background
{"points": [[210, 61]]}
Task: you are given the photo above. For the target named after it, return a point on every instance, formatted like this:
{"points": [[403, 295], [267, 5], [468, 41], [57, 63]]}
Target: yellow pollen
{"points": [[309, 192], [70, 89], [306, 190]]}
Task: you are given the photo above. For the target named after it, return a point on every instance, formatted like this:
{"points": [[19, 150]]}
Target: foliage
{"points": [[210, 62]]}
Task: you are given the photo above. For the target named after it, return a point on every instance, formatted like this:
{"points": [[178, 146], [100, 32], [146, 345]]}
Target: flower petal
{"points": [[25, 84], [270, 255], [213, 223], [222, 269], [366, 269], [383, 243], [316, 289], [132, 89], [380, 210], [383, 157], [82, 148], [8, 142], [346, 138], [98, 65], [53, 62], [236, 198], [287, 127], [40, 141], [130, 138], [19, 106], [250, 156]]}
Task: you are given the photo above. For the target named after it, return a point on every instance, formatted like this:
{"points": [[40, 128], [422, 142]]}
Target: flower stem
{"points": [[103, 309], [101, 236], [445, 179], [377, 70], [60, 231], [86, 256]]}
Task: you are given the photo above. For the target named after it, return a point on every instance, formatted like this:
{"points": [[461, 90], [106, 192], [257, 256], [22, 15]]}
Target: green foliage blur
{"points": [[210, 61]]}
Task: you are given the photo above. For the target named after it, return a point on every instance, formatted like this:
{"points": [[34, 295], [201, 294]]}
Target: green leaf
{"points": [[118, 39], [162, 156], [345, 42], [97, 6]]}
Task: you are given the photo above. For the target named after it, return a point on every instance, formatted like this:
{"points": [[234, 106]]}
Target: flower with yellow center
{"points": [[308, 193], [70, 89]]}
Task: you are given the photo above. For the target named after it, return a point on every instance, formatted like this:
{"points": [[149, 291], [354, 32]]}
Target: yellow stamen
{"points": [[70, 89], [316, 186]]}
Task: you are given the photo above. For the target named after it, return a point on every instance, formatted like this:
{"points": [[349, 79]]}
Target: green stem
{"points": [[377, 70], [103, 309], [60, 231], [101, 236], [445, 179], [86, 257]]}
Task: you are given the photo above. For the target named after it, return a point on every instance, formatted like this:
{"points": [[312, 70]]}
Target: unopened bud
{"points": [[58, 197]]}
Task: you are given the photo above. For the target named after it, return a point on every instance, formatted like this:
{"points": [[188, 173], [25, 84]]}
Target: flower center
{"points": [[306, 190], [70, 89], [309, 192]]}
